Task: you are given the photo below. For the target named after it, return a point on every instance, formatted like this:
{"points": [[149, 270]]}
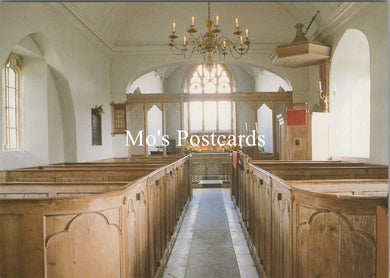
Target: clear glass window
{"points": [[11, 103], [210, 115]]}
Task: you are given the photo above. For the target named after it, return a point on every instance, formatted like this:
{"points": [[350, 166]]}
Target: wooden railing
{"points": [[310, 228], [126, 232], [215, 166]]}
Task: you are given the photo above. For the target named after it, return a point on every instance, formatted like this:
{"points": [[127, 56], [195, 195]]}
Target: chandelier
{"points": [[211, 43]]}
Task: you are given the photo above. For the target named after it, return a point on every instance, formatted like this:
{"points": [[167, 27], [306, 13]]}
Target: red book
{"points": [[297, 117]]}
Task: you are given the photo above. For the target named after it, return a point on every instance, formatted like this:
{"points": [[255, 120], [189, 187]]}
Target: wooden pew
{"points": [[310, 228], [91, 221], [74, 175], [327, 171]]}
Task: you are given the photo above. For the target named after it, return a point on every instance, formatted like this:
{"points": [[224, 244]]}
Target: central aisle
{"points": [[211, 243]]}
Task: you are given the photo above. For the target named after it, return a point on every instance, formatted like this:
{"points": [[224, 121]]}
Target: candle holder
{"points": [[325, 96]]}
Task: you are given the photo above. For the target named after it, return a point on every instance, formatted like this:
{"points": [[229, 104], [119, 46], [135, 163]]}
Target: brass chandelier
{"points": [[211, 43]]}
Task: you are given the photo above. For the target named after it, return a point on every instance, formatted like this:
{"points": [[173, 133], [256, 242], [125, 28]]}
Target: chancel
{"points": [[259, 150]]}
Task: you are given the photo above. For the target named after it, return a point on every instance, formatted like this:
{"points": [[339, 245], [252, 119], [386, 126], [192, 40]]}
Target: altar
{"points": [[211, 166]]}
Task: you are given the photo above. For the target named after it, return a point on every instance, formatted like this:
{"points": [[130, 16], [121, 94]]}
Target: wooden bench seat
{"points": [[16, 190]]}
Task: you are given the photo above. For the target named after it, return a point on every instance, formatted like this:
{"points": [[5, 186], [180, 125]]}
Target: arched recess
{"points": [[350, 110], [173, 123], [49, 119], [155, 128], [264, 118], [148, 83], [64, 96]]}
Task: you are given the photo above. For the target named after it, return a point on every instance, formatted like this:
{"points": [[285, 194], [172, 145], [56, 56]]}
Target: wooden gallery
{"points": [[306, 82]]}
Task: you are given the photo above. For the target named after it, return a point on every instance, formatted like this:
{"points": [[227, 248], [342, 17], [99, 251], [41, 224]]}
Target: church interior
{"points": [[194, 139]]}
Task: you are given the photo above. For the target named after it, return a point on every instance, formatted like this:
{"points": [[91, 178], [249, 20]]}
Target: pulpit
{"points": [[304, 135]]}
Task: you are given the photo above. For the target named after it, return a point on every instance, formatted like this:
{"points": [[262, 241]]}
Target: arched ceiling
{"points": [[123, 25]]}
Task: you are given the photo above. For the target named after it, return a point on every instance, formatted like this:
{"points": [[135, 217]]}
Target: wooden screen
{"points": [[119, 118]]}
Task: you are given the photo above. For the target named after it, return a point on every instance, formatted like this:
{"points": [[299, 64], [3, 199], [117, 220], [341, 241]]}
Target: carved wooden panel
{"points": [[324, 237], [142, 234], [264, 231], [11, 245], [131, 237], [382, 254], [281, 233], [84, 252]]}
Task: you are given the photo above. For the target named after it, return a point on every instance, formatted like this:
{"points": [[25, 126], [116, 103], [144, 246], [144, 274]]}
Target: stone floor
{"points": [[210, 242]]}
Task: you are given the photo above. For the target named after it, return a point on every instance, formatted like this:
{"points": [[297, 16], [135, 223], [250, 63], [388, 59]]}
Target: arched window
{"points": [[350, 110], [208, 116], [11, 103]]}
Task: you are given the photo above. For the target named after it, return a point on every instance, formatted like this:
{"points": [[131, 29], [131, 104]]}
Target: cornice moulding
{"points": [[336, 20], [162, 50]]}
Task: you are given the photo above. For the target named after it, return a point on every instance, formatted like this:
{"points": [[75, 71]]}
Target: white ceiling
{"points": [[122, 25]]}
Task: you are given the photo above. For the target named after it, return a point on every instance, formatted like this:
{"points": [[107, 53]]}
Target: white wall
{"points": [[175, 81], [243, 82], [55, 123], [136, 123], [264, 118], [126, 68], [85, 69], [149, 83], [372, 20], [350, 111], [269, 82], [155, 128], [173, 123]]}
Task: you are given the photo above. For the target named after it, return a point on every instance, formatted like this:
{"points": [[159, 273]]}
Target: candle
{"points": [[236, 22], [174, 27], [241, 39], [246, 126], [320, 85], [224, 43], [217, 20], [193, 20], [256, 126], [184, 40], [247, 33]]}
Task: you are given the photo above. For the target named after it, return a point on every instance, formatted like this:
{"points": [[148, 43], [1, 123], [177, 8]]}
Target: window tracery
{"points": [[12, 103], [206, 116]]}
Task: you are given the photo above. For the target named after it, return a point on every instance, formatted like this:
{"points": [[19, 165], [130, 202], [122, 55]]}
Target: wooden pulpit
{"points": [[304, 135]]}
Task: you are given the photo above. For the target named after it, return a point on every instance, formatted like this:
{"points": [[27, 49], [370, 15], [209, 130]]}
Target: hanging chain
{"points": [[209, 11]]}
